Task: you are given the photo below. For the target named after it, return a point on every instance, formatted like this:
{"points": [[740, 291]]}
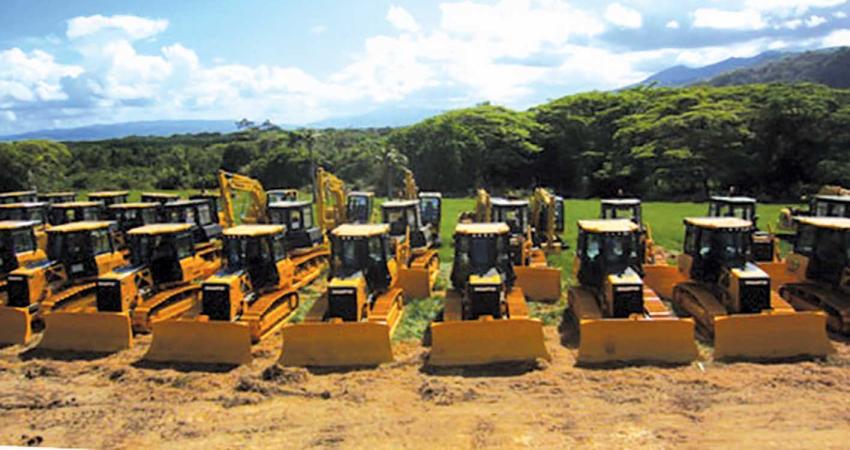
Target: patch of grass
{"points": [[418, 314]]}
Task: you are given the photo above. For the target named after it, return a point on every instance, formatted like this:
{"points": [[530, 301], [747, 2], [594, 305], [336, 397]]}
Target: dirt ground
{"points": [[115, 401]]}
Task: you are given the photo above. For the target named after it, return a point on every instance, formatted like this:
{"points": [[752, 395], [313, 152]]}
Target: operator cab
{"points": [[77, 245], [62, 213], [195, 212], [109, 198], [214, 200], [132, 215], [622, 208], [34, 212], [403, 215], [16, 238], [359, 208], [18, 197], [482, 267], [161, 247], [255, 249], [57, 197], [302, 232], [159, 197], [431, 209], [362, 248], [830, 206], [741, 207], [512, 212], [716, 244], [281, 195], [825, 241]]}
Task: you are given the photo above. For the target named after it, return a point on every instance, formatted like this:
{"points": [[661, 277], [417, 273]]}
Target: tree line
{"points": [[774, 141]]}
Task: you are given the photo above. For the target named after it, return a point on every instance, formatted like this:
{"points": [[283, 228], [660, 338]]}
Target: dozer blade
{"points": [[771, 335], [336, 344], [539, 283], [662, 278], [779, 274], [15, 325], [477, 342], [97, 332], [650, 340], [416, 283], [200, 342]]}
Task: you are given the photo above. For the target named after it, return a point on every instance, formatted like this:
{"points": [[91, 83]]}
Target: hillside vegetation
{"points": [[775, 141], [828, 67]]}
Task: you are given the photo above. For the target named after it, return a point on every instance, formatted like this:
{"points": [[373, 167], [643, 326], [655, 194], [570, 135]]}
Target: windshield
{"points": [[347, 255], [481, 253], [246, 252], [617, 251], [731, 246], [515, 217], [399, 219], [33, 214], [180, 215], [430, 208], [69, 246]]}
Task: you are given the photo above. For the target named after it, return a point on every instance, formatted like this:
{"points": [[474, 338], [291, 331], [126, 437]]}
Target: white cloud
{"points": [[401, 19], [792, 24], [748, 19], [837, 38], [790, 7], [33, 76], [839, 15], [9, 116], [318, 29], [673, 25], [623, 16], [815, 21], [134, 27]]}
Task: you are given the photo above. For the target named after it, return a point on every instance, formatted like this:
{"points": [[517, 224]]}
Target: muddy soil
{"points": [[115, 401]]}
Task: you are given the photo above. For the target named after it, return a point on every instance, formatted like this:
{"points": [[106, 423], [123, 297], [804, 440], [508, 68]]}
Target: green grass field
{"points": [[664, 218]]}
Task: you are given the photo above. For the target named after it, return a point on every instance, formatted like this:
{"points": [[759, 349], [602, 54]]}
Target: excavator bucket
{"points": [[539, 282], [97, 332], [416, 282], [336, 344], [485, 341], [650, 340], [14, 325], [771, 335], [662, 278], [200, 342]]}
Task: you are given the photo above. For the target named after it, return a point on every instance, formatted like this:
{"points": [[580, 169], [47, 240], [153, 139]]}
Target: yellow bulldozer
{"points": [[77, 254], [250, 298], [18, 197], [353, 322], [485, 319], [18, 248], [160, 283], [817, 273], [418, 274], [617, 316], [533, 274], [547, 220], [109, 198], [718, 284]]}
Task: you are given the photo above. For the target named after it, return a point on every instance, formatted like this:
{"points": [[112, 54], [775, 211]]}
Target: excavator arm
{"points": [[542, 200], [230, 182], [331, 200], [483, 206], [411, 191]]}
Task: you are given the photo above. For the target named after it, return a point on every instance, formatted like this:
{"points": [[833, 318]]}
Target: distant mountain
{"points": [[120, 130], [384, 117], [830, 67], [684, 76]]}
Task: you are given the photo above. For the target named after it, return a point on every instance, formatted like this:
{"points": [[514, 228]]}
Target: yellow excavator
{"points": [[730, 297], [160, 283], [250, 298], [57, 197], [336, 205], [485, 319], [547, 220], [29, 212], [18, 248], [537, 280], [109, 198], [77, 253], [617, 316], [817, 272], [18, 197], [353, 322], [256, 212], [632, 209]]}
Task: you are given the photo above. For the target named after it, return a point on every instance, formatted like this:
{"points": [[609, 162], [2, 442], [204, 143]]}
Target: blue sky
{"points": [[66, 64]]}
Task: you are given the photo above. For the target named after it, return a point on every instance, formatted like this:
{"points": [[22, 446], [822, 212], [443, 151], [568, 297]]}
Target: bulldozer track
{"points": [[700, 304], [309, 266], [164, 305], [808, 297], [66, 298], [269, 312]]}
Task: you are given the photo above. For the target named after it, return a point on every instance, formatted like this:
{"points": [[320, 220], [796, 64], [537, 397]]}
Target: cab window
{"points": [[90, 214], [295, 220], [23, 240], [185, 246], [100, 242], [806, 236], [307, 216], [376, 249], [279, 247], [704, 244], [204, 216], [691, 241]]}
